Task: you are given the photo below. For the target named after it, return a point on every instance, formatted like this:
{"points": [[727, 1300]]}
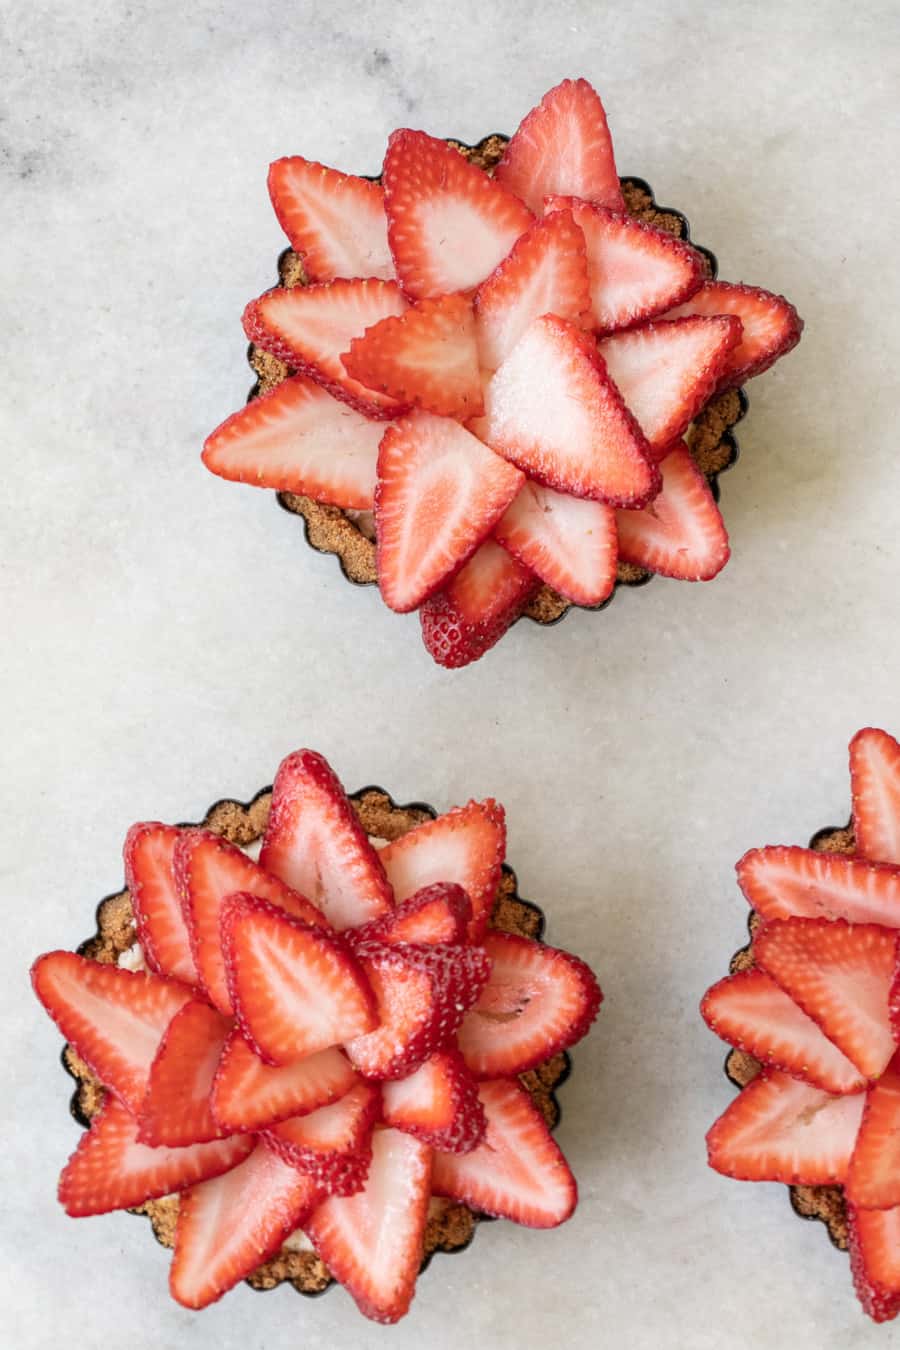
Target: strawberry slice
{"points": [[875, 779], [874, 1240], [466, 845], [552, 409], [873, 1177], [546, 273], [438, 1103], [563, 147], [840, 974], [335, 221], [771, 326], [680, 533], [208, 869], [569, 542], [295, 989], [373, 1242], [150, 878], [315, 843], [780, 1129], [230, 1225], [440, 493], [427, 356], [112, 1169], [749, 1010], [310, 326], [472, 612], [636, 272], [248, 1094], [517, 1172], [449, 224], [538, 1001], [176, 1110], [782, 881], [334, 1144], [422, 992], [297, 438], [113, 1018], [666, 371], [436, 913]]}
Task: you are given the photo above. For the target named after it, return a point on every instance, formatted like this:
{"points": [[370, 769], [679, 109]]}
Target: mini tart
{"points": [[451, 1226]]}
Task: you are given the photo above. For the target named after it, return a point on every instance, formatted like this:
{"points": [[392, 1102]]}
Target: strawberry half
{"points": [[295, 989], [440, 493], [538, 1001], [297, 438], [315, 843], [751, 1011], [873, 1177], [471, 613], [436, 913], [569, 542], [780, 1129], [112, 1169], [248, 1094], [176, 1110], [875, 780], [552, 409], [150, 878], [334, 1144], [563, 147], [373, 1241], [771, 326], [438, 1103], [114, 1019], [335, 221], [681, 533], [517, 1172], [874, 1240], [230, 1225], [449, 224], [782, 881], [840, 974]]}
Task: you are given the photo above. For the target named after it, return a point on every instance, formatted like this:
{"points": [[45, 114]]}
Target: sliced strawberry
{"points": [[310, 326], [875, 778], [111, 1168], [427, 356], [436, 913], [472, 612], [771, 326], [780, 1129], [873, 1178], [315, 843], [150, 878], [680, 533], [423, 992], [230, 1225], [438, 1103], [113, 1018], [782, 881], [636, 271], [538, 1001], [440, 493], [840, 974], [176, 1110], [373, 1241], [546, 273], [449, 224], [297, 438], [874, 1236], [295, 989], [552, 409], [466, 845], [751, 1011], [569, 542], [518, 1171], [563, 147], [666, 371], [209, 869], [247, 1093], [334, 1144], [336, 222]]}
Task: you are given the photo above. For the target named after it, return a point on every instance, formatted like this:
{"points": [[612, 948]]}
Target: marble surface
{"points": [[169, 637]]}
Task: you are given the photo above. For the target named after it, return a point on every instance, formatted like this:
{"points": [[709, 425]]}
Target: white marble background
{"points": [[169, 637]]}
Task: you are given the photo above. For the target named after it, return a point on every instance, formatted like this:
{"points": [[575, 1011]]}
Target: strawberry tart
{"points": [[478, 373], [322, 1059], [812, 1009]]}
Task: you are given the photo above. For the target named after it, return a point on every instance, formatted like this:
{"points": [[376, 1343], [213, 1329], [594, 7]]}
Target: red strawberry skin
{"points": [[248, 1094], [874, 1239], [472, 612], [150, 878], [438, 1103], [873, 1178], [334, 1144], [782, 881], [875, 779], [440, 912], [771, 327], [335, 221], [681, 533], [176, 1110]]}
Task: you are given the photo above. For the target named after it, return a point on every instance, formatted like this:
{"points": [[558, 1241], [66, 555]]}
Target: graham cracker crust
{"points": [[710, 439], [242, 823]]}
